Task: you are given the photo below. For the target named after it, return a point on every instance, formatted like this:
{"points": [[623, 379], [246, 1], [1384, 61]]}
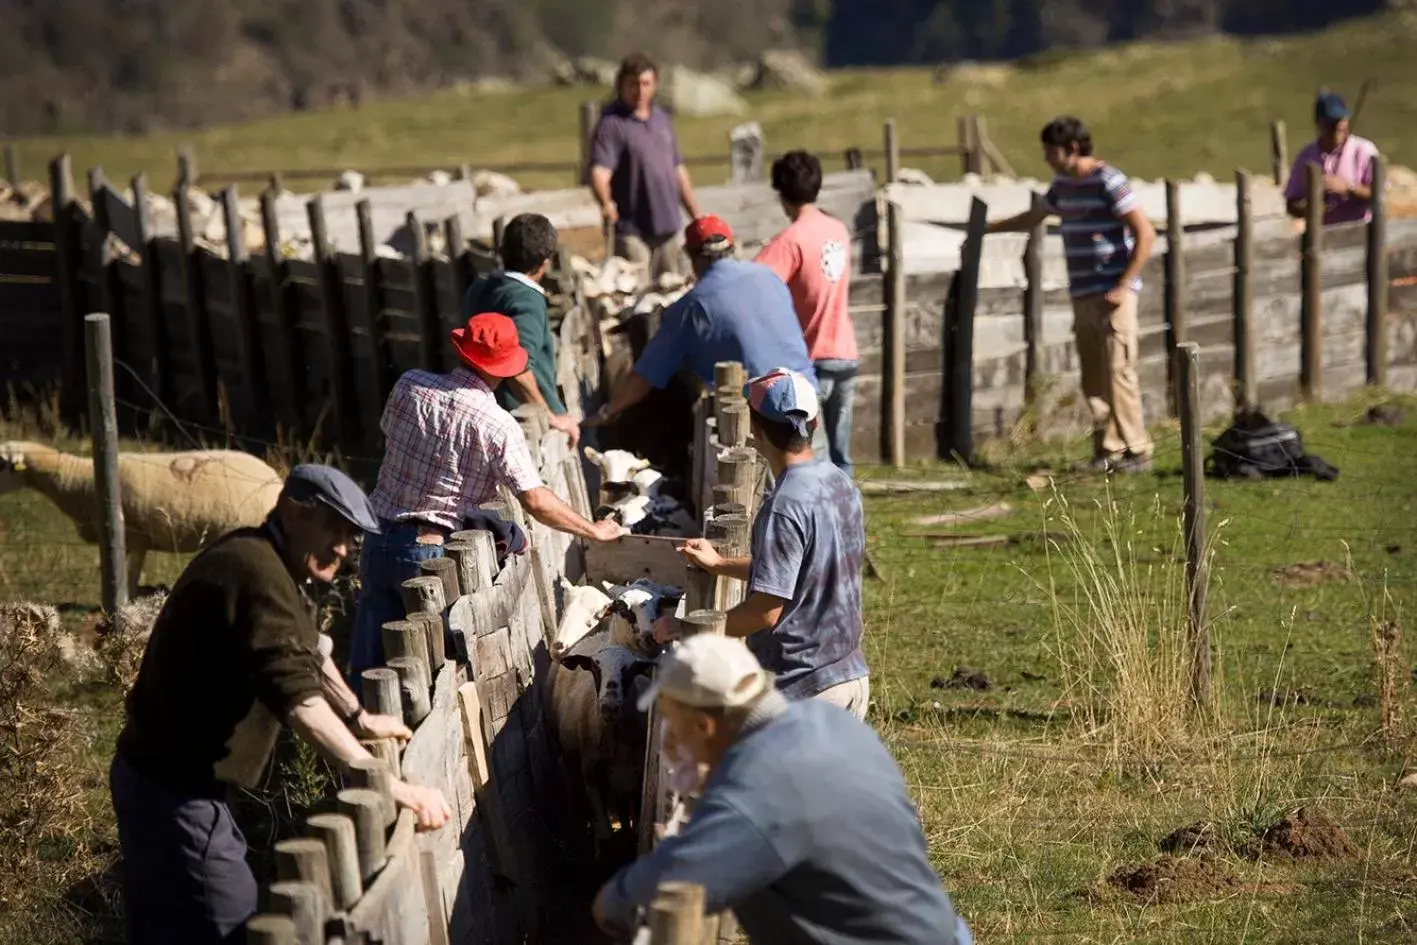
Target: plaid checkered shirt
{"points": [[447, 446]]}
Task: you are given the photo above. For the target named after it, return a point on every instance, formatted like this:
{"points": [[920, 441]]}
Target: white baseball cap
{"points": [[707, 671]]}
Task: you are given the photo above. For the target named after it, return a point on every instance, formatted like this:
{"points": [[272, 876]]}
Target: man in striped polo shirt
{"points": [[1107, 238]]}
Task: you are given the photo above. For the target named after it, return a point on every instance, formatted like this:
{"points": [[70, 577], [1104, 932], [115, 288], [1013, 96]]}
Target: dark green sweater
{"points": [[524, 305], [234, 649]]}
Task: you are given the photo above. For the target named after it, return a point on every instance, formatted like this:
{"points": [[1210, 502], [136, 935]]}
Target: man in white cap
{"points": [[804, 828], [802, 615]]}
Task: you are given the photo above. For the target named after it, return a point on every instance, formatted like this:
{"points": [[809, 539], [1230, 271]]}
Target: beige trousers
{"points": [[853, 696], [662, 254], [1107, 355]]}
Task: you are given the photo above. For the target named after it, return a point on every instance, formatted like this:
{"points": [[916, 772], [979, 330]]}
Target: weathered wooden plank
{"points": [[387, 910], [634, 557]]}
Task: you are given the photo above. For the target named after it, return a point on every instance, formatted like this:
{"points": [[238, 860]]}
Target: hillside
{"points": [[69, 66], [1157, 109]]}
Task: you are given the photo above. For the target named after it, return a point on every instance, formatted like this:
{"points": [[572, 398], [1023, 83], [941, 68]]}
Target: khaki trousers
{"points": [[1107, 355], [853, 696], [661, 254]]}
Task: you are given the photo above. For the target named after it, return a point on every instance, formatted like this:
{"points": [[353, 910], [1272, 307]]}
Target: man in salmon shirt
{"points": [[1347, 162], [813, 256]]}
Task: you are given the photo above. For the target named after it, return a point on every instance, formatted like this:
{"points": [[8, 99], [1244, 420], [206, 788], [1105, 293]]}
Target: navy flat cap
{"points": [[310, 481]]}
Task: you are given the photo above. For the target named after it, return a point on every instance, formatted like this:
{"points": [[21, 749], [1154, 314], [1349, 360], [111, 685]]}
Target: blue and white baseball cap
{"points": [[784, 396]]}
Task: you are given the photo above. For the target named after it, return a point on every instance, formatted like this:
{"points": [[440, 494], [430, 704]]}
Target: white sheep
{"points": [[585, 608], [634, 609], [616, 465], [171, 501]]}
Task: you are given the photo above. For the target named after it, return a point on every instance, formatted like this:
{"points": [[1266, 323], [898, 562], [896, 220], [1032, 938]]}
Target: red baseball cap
{"points": [[489, 343], [705, 230]]}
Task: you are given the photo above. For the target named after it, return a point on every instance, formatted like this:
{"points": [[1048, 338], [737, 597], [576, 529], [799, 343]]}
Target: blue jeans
{"points": [[387, 560], [836, 388], [185, 878]]}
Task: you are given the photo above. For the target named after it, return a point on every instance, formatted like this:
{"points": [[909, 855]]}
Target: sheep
{"points": [[633, 610], [616, 465], [171, 501], [585, 608], [590, 698]]}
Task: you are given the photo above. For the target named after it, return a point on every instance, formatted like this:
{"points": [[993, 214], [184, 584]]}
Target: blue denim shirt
{"points": [[806, 831], [738, 311]]}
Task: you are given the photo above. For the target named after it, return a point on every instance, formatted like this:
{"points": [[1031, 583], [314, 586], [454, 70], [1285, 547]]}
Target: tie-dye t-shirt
{"points": [[809, 541]]}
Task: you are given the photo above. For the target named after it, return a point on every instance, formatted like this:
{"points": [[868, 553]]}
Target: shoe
{"points": [[1131, 464]]}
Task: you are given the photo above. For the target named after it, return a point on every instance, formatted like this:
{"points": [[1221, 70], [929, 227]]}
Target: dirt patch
{"points": [[1174, 879], [1191, 840], [1307, 834], [1310, 574], [963, 678]]}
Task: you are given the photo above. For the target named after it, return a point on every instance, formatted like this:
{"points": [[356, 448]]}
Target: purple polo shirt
{"points": [[1353, 162], [643, 157]]}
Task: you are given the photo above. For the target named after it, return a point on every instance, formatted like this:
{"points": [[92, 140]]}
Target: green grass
{"points": [[1156, 110], [1030, 801]]}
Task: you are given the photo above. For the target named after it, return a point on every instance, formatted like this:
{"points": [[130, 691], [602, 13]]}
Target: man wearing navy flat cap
{"points": [[235, 653], [1347, 162], [802, 615]]}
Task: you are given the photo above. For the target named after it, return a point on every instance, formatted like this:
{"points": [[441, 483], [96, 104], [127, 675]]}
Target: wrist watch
{"points": [[353, 717]]}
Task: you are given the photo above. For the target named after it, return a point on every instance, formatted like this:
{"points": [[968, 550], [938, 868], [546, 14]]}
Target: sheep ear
{"points": [[592, 454], [640, 466]]}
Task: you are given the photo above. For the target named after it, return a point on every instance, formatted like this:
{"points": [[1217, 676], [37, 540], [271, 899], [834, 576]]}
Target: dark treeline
{"points": [[139, 65]]}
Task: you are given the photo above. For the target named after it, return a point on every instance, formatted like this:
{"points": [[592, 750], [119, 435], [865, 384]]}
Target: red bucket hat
{"points": [[489, 343], [706, 231]]}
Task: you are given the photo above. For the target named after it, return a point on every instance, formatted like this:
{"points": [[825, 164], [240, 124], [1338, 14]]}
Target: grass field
{"points": [[1079, 755], [1156, 110]]}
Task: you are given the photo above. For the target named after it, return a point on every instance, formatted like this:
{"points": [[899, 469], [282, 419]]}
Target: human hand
{"points": [[428, 804], [1337, 185], [1117, 295], [607, 529], [568, 426], [701, 553], [600, 418], [369, 725], [667, 629], [610, 212]]}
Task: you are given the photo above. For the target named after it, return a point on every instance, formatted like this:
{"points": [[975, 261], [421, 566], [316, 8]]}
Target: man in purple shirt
{"points": [[1347, 162], [637, 175]]}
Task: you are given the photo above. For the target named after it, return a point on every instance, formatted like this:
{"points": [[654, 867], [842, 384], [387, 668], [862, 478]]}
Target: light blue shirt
{"points": [[738, 311]]}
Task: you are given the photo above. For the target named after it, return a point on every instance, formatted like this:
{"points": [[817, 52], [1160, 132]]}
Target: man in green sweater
{"points": [[234, 654], [528, 243]]}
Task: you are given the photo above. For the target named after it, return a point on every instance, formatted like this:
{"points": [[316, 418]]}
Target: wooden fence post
{"points": [[186, 167], [590, 114], [304, 904], [1311, 305], [893, 353], [1193, 482], [1279, 152], [336, 318], [957, 410], [290, 340], [962, 129], [379, 356], [1377, 277], [1033, 308], [1175, 289], [67, 263], [243, 306], [430, 340], [336, 832], [103, 423], [976, 146], [269, 929], [1246, 395], [457, 255], [199, 328], [110, 284], [892, 152], [152, 288], [12, 165], [853, 160]]}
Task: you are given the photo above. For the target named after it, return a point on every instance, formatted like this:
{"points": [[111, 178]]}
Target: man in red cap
{"points": [[447, 447], [736, 311]]}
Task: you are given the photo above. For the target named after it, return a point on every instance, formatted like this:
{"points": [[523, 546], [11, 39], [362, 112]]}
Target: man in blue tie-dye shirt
{"points": [[1107, 238], [802, 615]]}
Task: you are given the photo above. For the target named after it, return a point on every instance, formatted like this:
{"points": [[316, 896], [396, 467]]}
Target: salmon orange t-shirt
{"points": [[813, 256]]}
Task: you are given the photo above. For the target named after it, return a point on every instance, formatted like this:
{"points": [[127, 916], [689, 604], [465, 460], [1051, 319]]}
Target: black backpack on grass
{"points": [[1255, 447]]}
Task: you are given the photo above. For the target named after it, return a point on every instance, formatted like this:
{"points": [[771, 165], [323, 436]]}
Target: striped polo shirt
{"points": [[1097, 241]]}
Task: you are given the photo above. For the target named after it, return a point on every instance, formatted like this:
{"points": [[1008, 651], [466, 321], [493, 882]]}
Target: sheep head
{"points": [[616, 465]]}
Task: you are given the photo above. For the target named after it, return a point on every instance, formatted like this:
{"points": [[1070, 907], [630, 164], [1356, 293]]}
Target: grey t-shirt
{"points": [[642, 155], [809, 541]]}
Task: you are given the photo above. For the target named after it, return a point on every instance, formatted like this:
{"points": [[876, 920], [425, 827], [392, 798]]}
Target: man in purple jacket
{"points": [[637, 175]]}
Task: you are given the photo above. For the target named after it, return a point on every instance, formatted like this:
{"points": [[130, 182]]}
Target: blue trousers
{"points": [[387, 560], [185, 878], [836, 389]]}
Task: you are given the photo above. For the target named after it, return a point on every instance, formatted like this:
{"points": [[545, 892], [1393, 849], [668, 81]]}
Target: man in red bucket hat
{"points": [[447, 447]]}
